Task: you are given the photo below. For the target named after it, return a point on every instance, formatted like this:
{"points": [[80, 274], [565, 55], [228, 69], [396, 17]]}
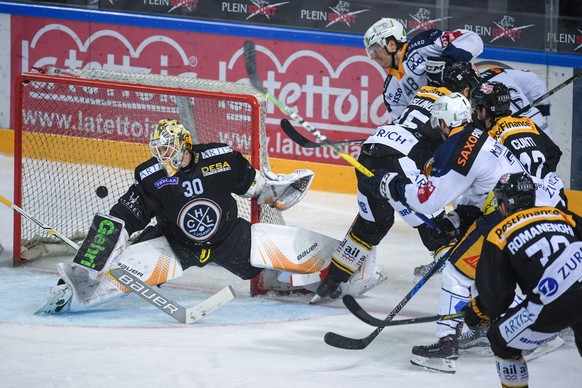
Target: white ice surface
{"points": [[250, 342]]}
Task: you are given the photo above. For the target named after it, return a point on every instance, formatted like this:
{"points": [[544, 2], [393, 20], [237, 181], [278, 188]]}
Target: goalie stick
{"points": [[141, 288], [304, 142], [339, 341]]}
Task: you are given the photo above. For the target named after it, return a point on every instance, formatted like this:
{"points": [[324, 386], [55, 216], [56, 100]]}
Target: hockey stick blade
{"points": [[364, 316], [167, 305], [339, 341], [207, 306], [304, 142]]}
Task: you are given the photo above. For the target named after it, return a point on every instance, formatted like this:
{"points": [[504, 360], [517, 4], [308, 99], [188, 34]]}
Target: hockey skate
{"points": [[439, 356], [59, 300], [330, 289], [474, 338]]}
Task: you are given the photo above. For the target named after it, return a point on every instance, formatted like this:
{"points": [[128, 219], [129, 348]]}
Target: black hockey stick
{"points": [[251, 65], [433, 318], [548, 94], [339, 341], [304, 142], [356, 309], [141, 288]]}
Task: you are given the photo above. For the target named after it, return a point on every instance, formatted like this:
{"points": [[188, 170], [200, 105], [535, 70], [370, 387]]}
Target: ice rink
{"points": [[250, 342]]}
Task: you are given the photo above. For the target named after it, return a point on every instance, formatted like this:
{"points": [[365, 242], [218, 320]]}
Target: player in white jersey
{"points": [[408, 64], [524, 88]]}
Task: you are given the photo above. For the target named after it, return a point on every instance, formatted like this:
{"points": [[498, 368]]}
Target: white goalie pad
{"points": [[302, 252], [152, 261], [283, 191]]}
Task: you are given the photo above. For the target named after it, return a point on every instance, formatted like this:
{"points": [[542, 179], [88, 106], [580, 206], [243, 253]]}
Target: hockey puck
{"points": [[102, 191]]}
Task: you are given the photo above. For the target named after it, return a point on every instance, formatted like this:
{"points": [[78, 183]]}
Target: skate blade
{"points": [[478, 343], [435, 364], [544, 349]]}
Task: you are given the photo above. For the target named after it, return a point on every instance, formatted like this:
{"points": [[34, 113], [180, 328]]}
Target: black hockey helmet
{"points": [[460, 75], [516, 191], [493, 96]]}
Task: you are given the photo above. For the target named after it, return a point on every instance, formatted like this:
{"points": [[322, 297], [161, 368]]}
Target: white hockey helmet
{"points": [[383, 29], [454, 109], [168, 143]]}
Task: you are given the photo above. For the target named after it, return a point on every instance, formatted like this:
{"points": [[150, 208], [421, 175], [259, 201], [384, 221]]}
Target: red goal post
{"points": [[80, 130]]}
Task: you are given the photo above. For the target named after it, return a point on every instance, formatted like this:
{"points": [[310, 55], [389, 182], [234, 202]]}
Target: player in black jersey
{"points": [[538, 249], [188, 189]]}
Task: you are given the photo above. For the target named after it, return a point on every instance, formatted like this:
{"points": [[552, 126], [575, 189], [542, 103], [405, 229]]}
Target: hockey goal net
{"points": [[80, 133]]}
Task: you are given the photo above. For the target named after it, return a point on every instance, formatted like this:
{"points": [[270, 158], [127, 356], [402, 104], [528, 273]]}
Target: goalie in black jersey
{"points": [[538, 249], [187, 188]]}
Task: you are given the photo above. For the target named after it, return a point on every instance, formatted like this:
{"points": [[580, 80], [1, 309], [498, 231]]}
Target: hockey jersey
{"points": [[524, 87], [521, 250], [402, 84], [196, 204], [534, 149], [466, 167]]}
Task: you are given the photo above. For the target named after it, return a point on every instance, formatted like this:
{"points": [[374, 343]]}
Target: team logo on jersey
{"points": [[215, 168], [425, 191], [166, 181], [199, 219], [413, 62]]}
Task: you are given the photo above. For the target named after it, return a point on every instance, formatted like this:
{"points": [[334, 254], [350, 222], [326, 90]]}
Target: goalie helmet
{"points": [[460, 75], [380, 31], [494, 97], [516, 191], [168, 143], [454, 109]]}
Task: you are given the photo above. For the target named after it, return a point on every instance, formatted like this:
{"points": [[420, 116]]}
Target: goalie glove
{"points": [[283, 191]]}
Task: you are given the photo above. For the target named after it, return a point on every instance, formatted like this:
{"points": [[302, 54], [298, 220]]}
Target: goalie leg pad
{"points": [[105, 239], [152, 261], [291, 249], [284, 191]]}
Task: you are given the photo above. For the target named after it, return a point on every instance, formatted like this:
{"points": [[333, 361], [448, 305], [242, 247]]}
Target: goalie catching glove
{"points": [[281, 191]]}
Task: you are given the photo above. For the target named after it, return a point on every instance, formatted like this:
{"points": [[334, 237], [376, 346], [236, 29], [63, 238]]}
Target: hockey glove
{"points": [[446, 229], [474, 317], [389, 185], [435, 69]]}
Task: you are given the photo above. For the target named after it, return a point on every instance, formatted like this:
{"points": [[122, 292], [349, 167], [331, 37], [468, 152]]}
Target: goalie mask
{"points": [[168, 143]]}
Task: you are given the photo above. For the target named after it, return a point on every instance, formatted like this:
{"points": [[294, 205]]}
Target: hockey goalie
{"points": [[188, 189]]}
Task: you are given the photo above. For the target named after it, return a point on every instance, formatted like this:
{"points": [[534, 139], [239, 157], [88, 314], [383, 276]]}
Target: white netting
{"points": [[78, 138]]}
